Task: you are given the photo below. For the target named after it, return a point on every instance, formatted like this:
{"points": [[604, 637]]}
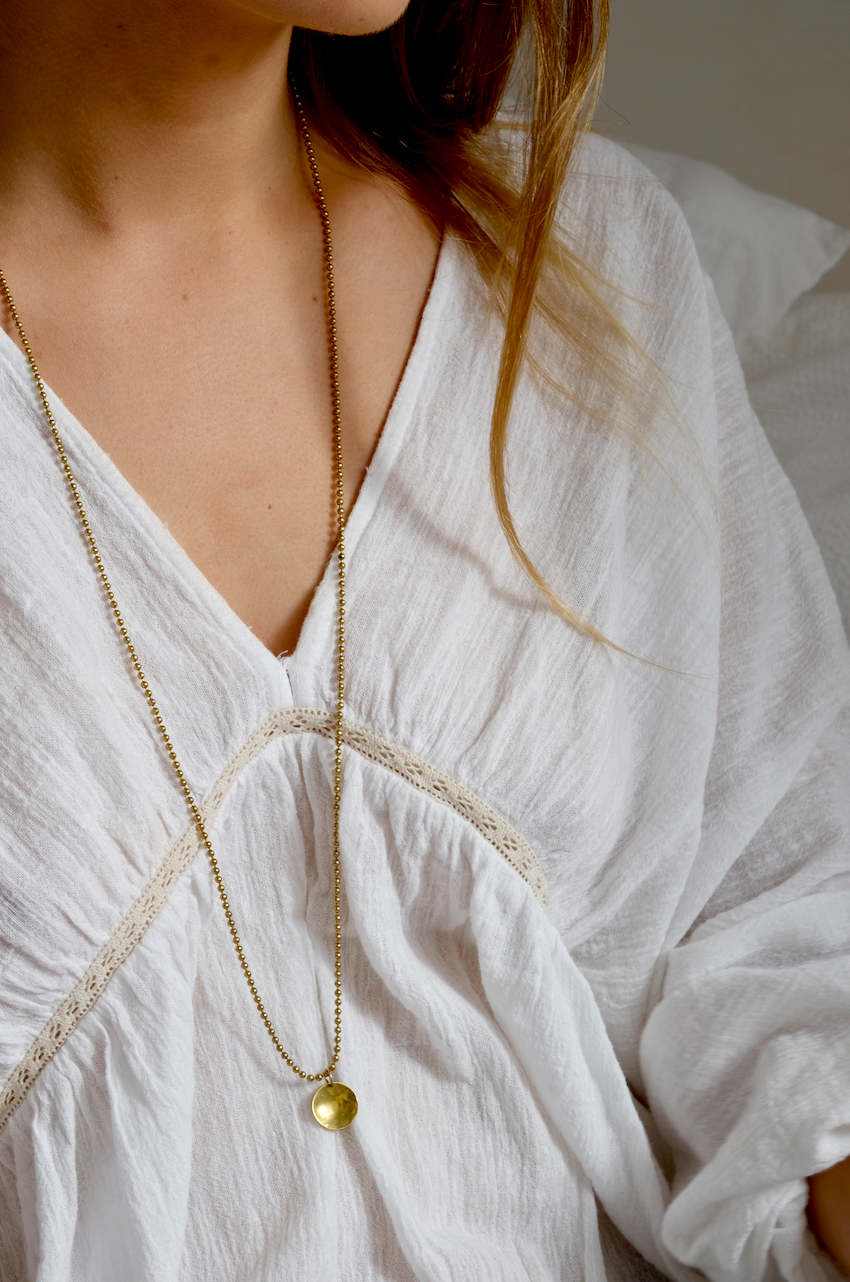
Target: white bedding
{"points": [[799, 383]]}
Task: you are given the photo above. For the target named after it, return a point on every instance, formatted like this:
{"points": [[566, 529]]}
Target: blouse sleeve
{"points": [[746, 1056]]}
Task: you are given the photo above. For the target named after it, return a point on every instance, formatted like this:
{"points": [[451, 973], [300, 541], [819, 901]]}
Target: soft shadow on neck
{"points": [[139, 111]]}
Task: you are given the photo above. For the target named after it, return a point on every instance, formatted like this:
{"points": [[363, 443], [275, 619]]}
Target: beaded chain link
{"points": [[339, 495]]}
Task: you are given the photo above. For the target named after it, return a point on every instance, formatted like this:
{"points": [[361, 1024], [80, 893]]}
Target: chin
{"points": [[340, 17]]}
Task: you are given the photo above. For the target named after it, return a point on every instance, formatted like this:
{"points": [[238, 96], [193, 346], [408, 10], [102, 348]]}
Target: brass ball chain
{"points": [[339, 496]]}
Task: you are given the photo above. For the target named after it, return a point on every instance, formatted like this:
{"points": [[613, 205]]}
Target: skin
{"points": [[158, 232], [829, 1211]]}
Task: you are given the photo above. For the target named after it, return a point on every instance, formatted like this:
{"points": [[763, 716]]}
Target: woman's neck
{"points": [[118, 115]]}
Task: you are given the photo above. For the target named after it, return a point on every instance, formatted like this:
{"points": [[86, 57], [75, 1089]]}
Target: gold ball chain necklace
{"points": [[334, 1105]]}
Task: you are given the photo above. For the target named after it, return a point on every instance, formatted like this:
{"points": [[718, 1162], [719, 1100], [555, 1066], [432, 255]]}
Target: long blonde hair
{"points": [[417, 103]]}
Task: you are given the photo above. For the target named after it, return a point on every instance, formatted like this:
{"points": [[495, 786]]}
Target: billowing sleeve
{"points": [[746, 1054]]}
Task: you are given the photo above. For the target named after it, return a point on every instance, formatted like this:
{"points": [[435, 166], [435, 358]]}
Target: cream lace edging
{"points": [[426, 778]]}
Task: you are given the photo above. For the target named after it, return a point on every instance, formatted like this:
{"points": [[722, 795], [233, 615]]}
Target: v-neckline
{"points": [[319, 617]]}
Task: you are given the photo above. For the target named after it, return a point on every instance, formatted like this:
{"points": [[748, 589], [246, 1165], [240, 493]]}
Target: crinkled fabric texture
{"points": [[530, 1081]]}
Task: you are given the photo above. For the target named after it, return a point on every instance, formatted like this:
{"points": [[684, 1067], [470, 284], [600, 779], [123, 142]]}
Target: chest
{"points": [[205, 375]]}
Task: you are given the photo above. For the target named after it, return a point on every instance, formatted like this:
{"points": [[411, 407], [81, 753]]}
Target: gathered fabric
{"points": [[596, 921]]}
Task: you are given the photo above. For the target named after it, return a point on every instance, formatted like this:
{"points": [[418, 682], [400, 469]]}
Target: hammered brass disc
{"points": [[334, 1106]]}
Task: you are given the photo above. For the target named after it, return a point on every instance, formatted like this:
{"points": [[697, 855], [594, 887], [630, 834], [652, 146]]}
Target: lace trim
{"points": [[426, 778]]}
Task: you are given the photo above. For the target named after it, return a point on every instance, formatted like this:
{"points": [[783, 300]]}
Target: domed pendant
{"points": [[334, 1106]]}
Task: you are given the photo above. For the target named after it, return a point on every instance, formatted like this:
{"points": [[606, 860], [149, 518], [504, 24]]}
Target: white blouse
{"points": [[597, 911]]}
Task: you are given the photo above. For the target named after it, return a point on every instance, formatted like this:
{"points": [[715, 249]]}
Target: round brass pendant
{"points": [[334, 1106]]}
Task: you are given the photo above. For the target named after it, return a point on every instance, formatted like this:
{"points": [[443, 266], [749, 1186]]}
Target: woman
{"points": [[592, 924]]}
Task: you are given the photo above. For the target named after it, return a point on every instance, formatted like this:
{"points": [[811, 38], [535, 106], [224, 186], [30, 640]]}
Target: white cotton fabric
{"points": [[690, 815]]}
